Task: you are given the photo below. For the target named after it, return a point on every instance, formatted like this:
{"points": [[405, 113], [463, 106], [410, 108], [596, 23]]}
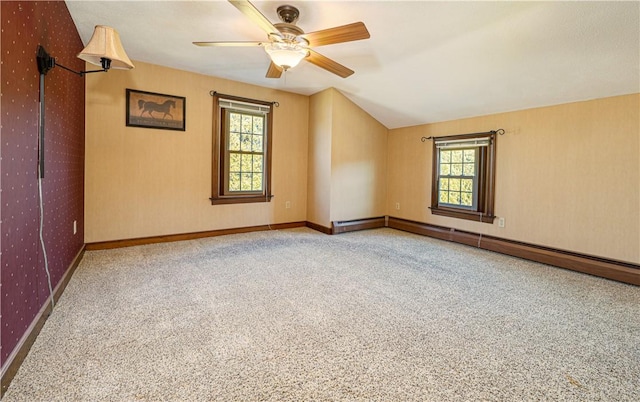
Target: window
{"points": [[241, 150], [464, 176]]}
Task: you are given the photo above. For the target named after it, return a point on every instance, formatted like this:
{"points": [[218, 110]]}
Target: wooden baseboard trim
{"points": [[319, 228], [358, 224], [20, 352], [188, 236], [602, 267]]}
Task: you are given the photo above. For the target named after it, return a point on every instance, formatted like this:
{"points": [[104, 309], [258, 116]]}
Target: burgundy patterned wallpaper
{"points": [[23, 281]]}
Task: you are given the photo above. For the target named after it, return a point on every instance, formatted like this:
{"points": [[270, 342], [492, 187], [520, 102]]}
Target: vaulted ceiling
{"points": [[426, 61]]}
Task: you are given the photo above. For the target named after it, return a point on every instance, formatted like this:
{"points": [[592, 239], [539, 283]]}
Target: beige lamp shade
{"points": [[105, 43]]}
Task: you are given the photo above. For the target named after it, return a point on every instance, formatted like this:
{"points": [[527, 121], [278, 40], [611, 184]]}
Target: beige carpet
{"points": [[297, 315]]}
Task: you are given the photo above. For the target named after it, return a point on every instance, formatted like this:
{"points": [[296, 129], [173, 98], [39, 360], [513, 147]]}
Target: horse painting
{"points": [[153, 110], [149, 107]]}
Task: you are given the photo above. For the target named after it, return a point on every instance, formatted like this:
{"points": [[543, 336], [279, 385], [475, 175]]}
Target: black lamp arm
{"points": [[46, 63], [106, 64]]}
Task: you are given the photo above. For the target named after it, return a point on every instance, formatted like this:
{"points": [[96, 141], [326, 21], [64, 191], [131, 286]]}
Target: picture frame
{"points": [[154, 110]]}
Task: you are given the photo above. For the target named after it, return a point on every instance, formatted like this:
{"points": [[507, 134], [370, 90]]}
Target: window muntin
{"points": [[464, 176], [458, 178], [244, 153]]}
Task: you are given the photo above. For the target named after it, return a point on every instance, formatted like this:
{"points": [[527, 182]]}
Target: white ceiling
{"points": [[425, 62]]}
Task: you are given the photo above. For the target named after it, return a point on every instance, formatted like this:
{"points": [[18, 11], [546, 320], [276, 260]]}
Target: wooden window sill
{"points": [[240, 199], [462, 214]]}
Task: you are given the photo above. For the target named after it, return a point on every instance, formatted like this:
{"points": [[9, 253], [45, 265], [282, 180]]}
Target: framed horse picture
{"points": [[153, 110]]}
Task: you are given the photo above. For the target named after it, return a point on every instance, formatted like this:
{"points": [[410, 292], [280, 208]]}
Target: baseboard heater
{"points": [[358, 224], [602, 267]]}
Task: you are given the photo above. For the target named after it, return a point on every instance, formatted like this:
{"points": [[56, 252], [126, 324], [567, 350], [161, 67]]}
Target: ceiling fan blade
{"points": [[255, 15], [238, 43], [274, 71], [344, 33], [328, 64]]}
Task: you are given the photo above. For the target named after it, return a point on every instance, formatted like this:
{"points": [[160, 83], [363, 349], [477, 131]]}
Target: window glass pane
{"points": [[466, 199], [234, 122], [444, 184], [444, 196], [445, 169], [467, 185], [245, 142], [257, 163], [454, 184], [257, 143], [469, 169], [258, 123], [234, 181], [456, 169], [234, 141], [257, 182], [234, 162], [246, 163], [248, 138], [456, 156], [469, 155], [245, 182], [247, 123], [457, 191]]}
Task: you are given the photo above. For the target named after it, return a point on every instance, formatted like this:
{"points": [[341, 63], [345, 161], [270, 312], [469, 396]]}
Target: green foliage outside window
{"points": [[245, 146], [457, 169]]}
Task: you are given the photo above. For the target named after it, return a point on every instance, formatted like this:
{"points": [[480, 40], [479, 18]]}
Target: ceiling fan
{"points": [[288, 44]]}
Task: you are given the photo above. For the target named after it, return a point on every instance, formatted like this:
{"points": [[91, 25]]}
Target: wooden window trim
{"points": [[486, 186], [218, 195]]}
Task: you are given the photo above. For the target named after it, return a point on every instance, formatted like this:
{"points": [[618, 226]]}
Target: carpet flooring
{"points": [[295, 315]]}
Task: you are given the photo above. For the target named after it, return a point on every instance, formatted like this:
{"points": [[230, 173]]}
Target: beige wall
{"points": [[319, 180], [146, 182], [358, 162], [567, 176], [347, 161]]}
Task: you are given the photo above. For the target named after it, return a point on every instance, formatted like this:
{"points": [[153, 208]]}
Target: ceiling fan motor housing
{"points": [[290, 33]]}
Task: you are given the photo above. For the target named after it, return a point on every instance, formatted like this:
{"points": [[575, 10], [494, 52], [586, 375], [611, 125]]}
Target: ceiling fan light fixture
{"points": [[286, 55]]}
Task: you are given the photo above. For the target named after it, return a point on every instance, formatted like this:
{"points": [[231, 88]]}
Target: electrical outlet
{"points": [[501, 222], [397, 205], [75, 227], [287, 204]]}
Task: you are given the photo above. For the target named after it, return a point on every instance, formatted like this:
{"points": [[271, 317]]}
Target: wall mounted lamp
{"points": [[104, 49]]}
